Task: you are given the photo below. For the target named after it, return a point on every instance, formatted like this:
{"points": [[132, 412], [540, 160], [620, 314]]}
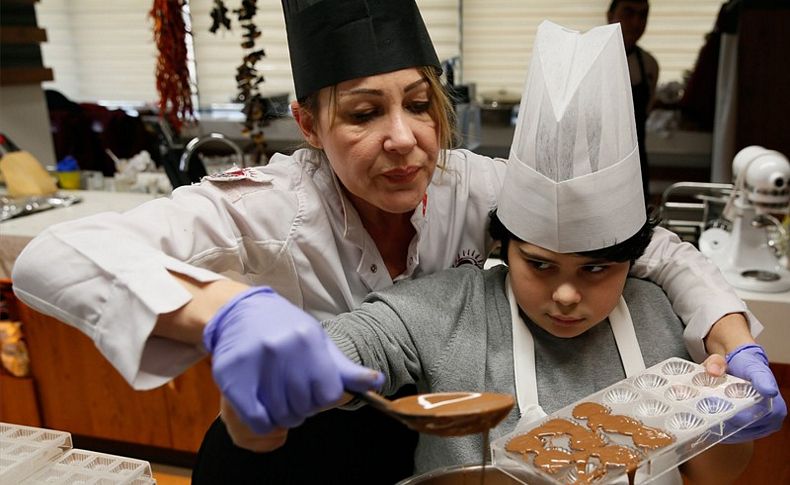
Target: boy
{"points": [[563, 320]]}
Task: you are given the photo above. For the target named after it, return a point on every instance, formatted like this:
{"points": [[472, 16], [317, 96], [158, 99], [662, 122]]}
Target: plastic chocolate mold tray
{"points": [[675, 396], [24, 449], [89, 467], [43, 456]]}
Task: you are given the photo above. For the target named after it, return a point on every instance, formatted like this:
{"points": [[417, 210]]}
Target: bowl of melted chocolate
{"points": [[464, 475]]}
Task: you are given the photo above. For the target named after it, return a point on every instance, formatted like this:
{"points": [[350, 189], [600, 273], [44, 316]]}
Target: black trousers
{"points": [[333, 447]]}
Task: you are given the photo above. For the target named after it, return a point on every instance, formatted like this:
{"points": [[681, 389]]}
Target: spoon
{"points": [[444, 413]]}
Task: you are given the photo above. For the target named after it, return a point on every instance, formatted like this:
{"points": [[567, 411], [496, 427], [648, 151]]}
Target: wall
{"points": [[25, 120], [23, 111]]}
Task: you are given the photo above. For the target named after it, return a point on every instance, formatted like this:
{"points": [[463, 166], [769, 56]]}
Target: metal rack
{"points": [[688, 208]]}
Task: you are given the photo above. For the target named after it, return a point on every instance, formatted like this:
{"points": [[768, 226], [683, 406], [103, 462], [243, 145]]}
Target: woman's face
{"points": [[382, 143], [564, 294]]}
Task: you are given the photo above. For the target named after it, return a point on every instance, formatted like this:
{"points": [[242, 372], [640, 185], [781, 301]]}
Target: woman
{"points": [[363, 209]]}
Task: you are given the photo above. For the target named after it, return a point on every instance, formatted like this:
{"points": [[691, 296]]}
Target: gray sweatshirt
{"points": [[451, 331]]}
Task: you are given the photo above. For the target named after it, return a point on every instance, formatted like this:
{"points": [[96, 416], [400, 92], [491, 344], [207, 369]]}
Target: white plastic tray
{"points": [[24, 449], [89, 467], [42, 456]]}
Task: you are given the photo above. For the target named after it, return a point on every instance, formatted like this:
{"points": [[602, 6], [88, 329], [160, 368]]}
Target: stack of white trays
{"points": [[24, 450], [42, 456]]}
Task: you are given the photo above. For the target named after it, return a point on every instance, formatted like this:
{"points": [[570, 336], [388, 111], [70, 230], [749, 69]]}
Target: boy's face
{"points": [[564, 294]]}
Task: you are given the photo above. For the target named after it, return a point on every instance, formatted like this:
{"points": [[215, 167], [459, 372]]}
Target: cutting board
{"points": [[24, 175]]}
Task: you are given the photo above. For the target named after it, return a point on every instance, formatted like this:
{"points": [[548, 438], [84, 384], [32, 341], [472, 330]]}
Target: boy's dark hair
{"points": [[629, 250]]}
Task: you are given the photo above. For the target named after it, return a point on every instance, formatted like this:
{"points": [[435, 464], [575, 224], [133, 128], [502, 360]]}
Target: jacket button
{"points": [[374, 268]]}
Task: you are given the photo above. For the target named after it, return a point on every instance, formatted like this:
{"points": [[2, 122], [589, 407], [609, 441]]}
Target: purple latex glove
{"points": [[750, 362], [274, 362]]}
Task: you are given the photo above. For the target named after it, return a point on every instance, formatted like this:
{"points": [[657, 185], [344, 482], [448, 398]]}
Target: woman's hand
{"points": [[244, 437], [272, 361], [275, 364], [749, 362]]}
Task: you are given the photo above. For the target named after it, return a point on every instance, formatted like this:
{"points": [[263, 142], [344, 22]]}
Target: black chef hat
{"points": [[331, 41]]}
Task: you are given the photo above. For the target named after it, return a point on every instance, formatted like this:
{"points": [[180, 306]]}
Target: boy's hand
{"points": [[244, 437], [749, 362]]}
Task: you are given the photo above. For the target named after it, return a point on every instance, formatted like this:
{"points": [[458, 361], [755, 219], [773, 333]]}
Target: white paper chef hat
{"points": [[573, 181]]}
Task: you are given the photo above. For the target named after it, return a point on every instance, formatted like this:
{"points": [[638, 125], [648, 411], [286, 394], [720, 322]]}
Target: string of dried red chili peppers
{"points": [[172, 73], [248, 78]]}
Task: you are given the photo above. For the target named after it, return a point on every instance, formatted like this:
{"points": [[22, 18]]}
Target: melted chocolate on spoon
{"points": [[453, 413]]}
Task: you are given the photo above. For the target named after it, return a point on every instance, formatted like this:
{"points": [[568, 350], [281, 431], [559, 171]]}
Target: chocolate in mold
{"points": [[590, 453], [618, 456], [652, 438], [587, 409], [524, 444], [580, 438], [614, 423], [554, 427], [587, 440], [643, 436], [552, 460]]}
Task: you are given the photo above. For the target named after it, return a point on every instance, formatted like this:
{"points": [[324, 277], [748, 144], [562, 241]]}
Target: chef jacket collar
{"points": [[353, 230]]}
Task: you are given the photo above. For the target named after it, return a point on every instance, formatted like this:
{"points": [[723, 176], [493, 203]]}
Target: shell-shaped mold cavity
{"points": [[677, 368], [582, 476], [704, 379], [650, 381], [684, 421], [620, 395], [680, 392], [652, 407], [714, 405], [740, 390]]}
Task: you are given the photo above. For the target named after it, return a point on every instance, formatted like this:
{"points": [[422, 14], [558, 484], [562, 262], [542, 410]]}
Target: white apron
{"points": [[526, 376]]}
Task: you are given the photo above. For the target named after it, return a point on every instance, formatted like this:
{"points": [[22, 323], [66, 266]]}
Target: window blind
{"points": [[498, 35], [99, 50], [104, 50], [219, 54]]}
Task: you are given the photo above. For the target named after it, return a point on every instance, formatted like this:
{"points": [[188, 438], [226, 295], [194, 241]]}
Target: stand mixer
{"points": [[743, 253]]}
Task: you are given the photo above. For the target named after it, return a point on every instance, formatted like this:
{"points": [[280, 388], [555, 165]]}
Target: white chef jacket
{"points": [[290, 226]]}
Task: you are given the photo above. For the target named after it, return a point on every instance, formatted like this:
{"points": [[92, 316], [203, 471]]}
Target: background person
{"points": [[643, 69], [364, 208]]}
